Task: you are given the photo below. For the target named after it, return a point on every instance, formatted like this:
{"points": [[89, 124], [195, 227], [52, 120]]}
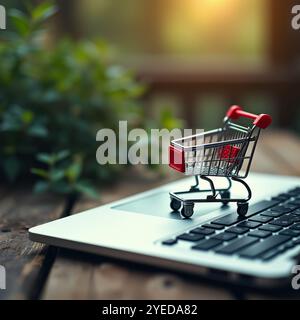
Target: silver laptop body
{"points": [[135, 228]]}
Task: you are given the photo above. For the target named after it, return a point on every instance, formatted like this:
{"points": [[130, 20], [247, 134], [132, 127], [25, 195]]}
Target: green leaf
{"points": [[27, 117], [43, 12], [20, 22], [11, 167], [45, 158], [87, 189], [52, 159], [74, 171], [37, 130], [9, 125], [41, 186], [40, 172], [168, 121], [62, 155], [56, 175]]}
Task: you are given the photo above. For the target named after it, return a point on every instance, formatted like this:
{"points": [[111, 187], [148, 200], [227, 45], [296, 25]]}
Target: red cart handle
{"points": [[262, 121]]}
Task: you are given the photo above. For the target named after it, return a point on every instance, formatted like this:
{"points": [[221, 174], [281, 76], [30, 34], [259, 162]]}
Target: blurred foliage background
{"points": [[72, 67], [199, 57], [54, 98]]}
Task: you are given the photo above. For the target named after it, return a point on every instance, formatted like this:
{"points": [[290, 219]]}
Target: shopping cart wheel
{"points": [[225, 195], [175, 205], [187, 210], [242, 208]]}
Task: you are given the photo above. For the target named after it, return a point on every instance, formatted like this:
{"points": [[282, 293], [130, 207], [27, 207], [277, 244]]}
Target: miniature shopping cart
{"points": [[225, 152]]}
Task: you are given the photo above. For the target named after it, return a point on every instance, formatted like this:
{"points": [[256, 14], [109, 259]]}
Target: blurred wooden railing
{"points": [[278, 79], [282, 85]]}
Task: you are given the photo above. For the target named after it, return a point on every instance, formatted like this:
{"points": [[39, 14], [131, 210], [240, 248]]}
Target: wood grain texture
{"points": [[26, 262], [89, 277]]}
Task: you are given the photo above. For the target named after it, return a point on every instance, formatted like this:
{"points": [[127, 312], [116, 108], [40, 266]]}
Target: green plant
{"points": [[53, 100]]}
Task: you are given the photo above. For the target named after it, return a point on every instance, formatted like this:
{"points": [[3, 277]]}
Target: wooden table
{"points": [[35, 271]]}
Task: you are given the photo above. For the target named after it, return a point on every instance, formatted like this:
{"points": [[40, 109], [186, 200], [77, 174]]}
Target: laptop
{"points": [[260, 249]]}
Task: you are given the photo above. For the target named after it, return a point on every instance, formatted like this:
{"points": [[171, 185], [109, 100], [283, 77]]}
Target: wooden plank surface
{"points": [[101, 278], [26, 262], [89, 277]]}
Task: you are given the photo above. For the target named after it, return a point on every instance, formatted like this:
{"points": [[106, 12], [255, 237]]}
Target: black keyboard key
{"points": [[237, 245], [283, 209], [272, 214], [249, 224], [260, 207], [296, 212], [270, 227], [261, 219], [225, 236], [256, 208], [294, 218], [296, 226], [284, 195], [259, 234], [288, 246], [294, 203], [204, 231], [292, 207], [290, 232], [207, 244], [280, 198], [271, 254], [296, 242], [284, 221], [169, 242], [213, 226], [237, 230], [228, 220], [264, 246], [193, 237], [294, 193]]}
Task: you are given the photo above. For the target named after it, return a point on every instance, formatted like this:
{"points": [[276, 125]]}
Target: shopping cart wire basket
{"points": [[225, 152]]}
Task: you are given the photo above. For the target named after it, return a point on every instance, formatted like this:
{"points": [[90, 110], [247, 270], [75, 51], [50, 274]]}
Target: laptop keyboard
{"points": [[270, 228]]}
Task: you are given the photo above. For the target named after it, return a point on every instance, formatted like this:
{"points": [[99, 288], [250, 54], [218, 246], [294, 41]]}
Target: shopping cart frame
{"points": [[232, 172]]}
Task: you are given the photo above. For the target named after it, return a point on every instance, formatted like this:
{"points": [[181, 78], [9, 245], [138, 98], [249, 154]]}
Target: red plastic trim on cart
{"points": [[176, 159], [262, 121]]}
